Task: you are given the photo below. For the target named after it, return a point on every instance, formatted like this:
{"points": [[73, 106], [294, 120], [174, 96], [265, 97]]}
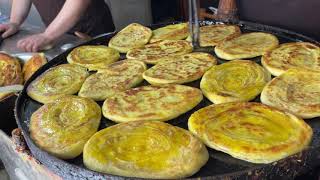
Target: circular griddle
{"points": [[219, 166]]}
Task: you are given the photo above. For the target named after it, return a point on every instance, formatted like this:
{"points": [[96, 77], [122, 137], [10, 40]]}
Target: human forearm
{"points": [[69, 15], [19, 11]]}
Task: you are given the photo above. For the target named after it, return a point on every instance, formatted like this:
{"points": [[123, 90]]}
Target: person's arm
{"points": [[68, 16], [19, 11]]}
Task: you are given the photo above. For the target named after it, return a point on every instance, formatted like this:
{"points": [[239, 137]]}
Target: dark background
{"points": [[302, 16]]}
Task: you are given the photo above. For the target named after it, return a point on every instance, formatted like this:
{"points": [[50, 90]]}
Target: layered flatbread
{"points": [[248, 45], [250, 131], [145, 149]]}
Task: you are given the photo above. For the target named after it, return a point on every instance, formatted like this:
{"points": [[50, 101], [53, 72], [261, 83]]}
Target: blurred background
{"points": [[297, 15]]}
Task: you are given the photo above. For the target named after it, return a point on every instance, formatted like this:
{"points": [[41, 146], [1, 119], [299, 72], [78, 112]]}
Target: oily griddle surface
{"points": [[219, 166]]}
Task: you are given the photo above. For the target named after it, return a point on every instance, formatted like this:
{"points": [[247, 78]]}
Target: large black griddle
{"points": [[219, 166]]}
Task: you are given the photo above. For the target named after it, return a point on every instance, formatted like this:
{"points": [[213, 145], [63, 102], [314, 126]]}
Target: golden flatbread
{"points": [[63, 126], [235, 81], [250, 131], [118, 77], [33, 64], [151, 103], [93, 57], [10, 72], [296, 91], [145, 149], [64, 79], [180, 69], [170, 32], [211, 35], [127, 67], [155, 52], [292, 55], [133, 36], [248, 45]]}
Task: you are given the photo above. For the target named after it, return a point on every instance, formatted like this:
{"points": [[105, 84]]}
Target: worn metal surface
{"points": [[219, 166], [19, 163], [9, 45]]}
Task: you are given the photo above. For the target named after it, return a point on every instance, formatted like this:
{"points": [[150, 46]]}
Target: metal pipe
{"points": [[194, 23]]}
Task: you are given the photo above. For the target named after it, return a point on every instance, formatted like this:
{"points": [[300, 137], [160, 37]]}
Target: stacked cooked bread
{"points": [[33, 64], [10, 72]]}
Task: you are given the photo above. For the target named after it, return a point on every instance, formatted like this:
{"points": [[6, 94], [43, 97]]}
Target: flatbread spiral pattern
{"points": [[93, 57], [250, 131], [64, 126], [145, 149], [10, 72], [65, 79], [235, 81], [247, 45], [292, 55], [296, 91]]}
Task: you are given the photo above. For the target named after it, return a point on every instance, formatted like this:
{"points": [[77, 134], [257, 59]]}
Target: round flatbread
{"points": [[296, 91], [170, 32], [118, 77], [63, 126], [133, 36], [250, 131], [10, 72], [292, 55], [93, 57], [125, 67], [155, 52], [235, 81], [180, 69], [151, 103], [212, 35], [64, 79], [145, 149], [246, 46], [33, 64]]}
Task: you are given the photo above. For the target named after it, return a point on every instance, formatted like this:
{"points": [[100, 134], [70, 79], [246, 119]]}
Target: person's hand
{"points": [[8, 29], [35, 43]]}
